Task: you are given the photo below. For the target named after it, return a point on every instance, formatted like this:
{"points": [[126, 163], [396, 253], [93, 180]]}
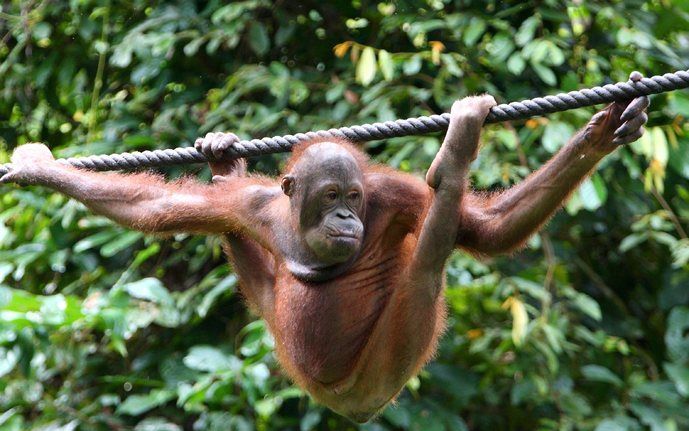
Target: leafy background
{"points": [[104, 328]]}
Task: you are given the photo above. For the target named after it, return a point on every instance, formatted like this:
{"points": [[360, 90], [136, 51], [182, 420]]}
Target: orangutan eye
{"points": [[353, 195], [331, 195]]}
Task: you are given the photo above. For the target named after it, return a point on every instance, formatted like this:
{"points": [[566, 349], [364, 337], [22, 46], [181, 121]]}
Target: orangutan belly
{"points": [[330, 323]]}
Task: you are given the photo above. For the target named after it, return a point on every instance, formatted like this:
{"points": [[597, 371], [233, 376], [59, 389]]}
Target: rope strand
{"points": [[390, 129]]}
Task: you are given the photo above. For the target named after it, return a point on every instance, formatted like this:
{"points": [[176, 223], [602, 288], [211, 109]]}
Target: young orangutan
{"points": [[343, 258]]}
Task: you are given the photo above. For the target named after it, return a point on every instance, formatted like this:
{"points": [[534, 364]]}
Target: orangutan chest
{"points": [[330, 323]]}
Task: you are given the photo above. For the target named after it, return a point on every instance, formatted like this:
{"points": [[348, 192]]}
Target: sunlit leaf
{"points": [[588, 305], [520, 319], [208, 358], [387, 67], [341, 49], [556, 134], [631, 241], [660, 145], [366, 67], [526, 30], [412, 66], [150, 289], [474, 30], [591, 198], [137, 404], [580, 18], [156, 424], [516, 63], [8, 359], [437, 47]]}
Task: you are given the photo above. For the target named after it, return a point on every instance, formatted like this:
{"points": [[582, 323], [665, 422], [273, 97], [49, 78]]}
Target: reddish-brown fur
{"points": [[352, 339], [342, 339]]}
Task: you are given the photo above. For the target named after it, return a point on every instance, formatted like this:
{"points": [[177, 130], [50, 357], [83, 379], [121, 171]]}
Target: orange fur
{"points": [[352, 341]]}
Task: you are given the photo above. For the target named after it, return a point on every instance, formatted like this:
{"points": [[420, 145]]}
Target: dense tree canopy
{"points": [[105, 328]]}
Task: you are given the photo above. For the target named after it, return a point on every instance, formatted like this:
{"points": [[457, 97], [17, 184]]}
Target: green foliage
{"points": [[103, 328]]}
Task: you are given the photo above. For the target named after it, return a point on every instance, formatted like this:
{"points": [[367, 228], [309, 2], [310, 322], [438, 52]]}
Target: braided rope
{"points": [[390, 129]]}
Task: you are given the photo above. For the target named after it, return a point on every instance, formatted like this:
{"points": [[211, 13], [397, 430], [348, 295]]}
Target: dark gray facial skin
{"points": [[327, 199]]}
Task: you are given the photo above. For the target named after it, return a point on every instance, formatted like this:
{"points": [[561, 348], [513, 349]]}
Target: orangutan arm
{"points": [[502, 222], [146, 202], [447, 178]]}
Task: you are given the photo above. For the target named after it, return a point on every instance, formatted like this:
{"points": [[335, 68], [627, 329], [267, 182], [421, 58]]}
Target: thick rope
{"points": [[390, 129]]}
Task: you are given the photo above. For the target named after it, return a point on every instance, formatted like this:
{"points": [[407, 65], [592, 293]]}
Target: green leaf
{"points": [[212, 359], [580, 18], [500, 47], [598, 373], [522, 391], [458, 382], [619, 423], [122, 55], [474, 30], [254, 337], [527, 31], [149, 289], [544, 72], [42, 30], [135, 405], [587, 305], [310, 420], [53, 309], [555, 56], [680, 376], [8, 359], [664, 238], [258, 38], [678, 102], [680, 254], [575, 404], [520, 321], [387, 67], [660, 145], [650, 416], [397, 415], [96, 240], [537, 51], [677, 334], [632, 241], [556, 134], [601, 188], [6, 269], [156, 424], [366, 67], [191, 48], [227, 284], [257, 373], [516, 63], [451, 65], [412, 66], [679, 157], [120, 243], [267, 406], [591, 198]]}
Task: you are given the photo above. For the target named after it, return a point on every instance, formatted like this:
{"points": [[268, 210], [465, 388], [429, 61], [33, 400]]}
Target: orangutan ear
{"points": [[287, 184]]}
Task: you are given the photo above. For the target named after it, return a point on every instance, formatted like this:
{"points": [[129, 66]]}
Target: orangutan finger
{"points": [[623, 140], [633, 124], [635, 107]]}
